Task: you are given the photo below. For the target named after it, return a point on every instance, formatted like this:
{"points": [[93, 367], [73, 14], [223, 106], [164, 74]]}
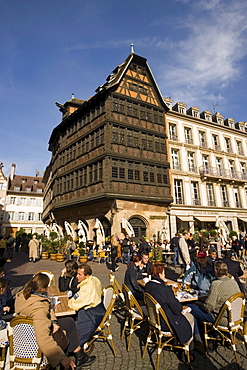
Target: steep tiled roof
{"points": [[24, 183]]}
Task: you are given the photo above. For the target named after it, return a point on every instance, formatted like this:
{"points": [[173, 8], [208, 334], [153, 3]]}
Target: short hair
{"points": [[212, 250], [227, 253], [86, 268], [156, 269], [71, 268], [3, 282], [145, 254], [185, 232], [136, 258], [220, 268]]}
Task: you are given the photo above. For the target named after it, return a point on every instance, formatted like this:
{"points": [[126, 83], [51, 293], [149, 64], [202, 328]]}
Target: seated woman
{"points": [[182, 324], [34, 302], [131, 277], [68, 281]]}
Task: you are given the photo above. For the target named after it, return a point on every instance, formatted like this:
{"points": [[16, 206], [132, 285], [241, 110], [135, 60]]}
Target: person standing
{"points": [[3, 243], [174, 244], [183, 251], [10, 247], [114, 252], [33, 249], [126, 245]]}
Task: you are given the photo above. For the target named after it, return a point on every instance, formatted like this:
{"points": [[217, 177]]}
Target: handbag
{"points": [[60, 337]]}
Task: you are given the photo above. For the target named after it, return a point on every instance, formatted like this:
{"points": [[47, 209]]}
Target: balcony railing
{"points": [[176, 166], [188, 140], [192, 169], [211, 202], [220, 172], [225, 203], [203, 144], [216, 147], [179, 200], [174, 137], [196, 201]]}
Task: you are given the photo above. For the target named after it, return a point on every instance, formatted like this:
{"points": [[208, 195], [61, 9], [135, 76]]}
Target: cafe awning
{"points": [[186, 218], [206, 218], [243, 219]]}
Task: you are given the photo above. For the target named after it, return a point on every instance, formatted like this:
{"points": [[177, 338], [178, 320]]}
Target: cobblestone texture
{"points": [[21, 271]]}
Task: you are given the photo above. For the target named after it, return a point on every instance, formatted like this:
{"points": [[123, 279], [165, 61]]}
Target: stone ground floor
{"points": [[21, 271]]}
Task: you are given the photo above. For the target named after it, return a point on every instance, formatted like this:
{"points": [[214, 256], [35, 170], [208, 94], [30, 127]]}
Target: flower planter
{"points": [[44, 255], [53, 256], [60, 257], [83, 259]]}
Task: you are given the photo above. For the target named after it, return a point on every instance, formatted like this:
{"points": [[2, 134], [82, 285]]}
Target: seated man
{"points": [[87, 303], [200, 275], [145, 266], [234, 268], [212, 256], [221, 290]]}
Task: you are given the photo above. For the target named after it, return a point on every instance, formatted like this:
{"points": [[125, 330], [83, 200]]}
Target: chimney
{"points": [[12, 172]]}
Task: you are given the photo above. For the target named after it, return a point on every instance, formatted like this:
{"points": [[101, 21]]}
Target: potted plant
{"points": [[53, 245], [83, 256], [45, 245], [157, 254], [61, 249]]}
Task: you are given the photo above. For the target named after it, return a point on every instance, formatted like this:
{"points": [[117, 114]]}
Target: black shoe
{"points": [[82, 359], [199, 347]]}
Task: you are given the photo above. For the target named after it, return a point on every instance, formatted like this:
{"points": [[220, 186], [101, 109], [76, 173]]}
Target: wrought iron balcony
{"points": [[176, 166], [196, 201], [192, 169], [203, 144], [188, 140], [179, 200], [174, 137], [220, 172]]}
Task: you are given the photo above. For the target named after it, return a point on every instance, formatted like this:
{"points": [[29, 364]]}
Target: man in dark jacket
{"points": [[126, 249], [174, 244], [234, 268]]}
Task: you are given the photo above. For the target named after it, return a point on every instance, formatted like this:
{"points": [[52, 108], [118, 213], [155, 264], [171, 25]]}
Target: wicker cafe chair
{"points": [[3, 352], [24, 350], [163, 339], [120, 301], [234, 308], [245, 334], [103, 331], [49, 274], [134, 314]]}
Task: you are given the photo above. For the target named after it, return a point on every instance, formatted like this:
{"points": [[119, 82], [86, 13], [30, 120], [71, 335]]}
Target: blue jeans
{"points": [[126, 257], [201, 315], [175, 259]]}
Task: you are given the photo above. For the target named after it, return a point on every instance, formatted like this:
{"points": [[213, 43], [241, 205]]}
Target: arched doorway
{"points": [[139, 227], [106, 225]]}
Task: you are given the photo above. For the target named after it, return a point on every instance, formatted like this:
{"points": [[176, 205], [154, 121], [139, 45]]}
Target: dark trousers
{"points": [[113, 261], [68, 324], [88, 321], [2, 252]]}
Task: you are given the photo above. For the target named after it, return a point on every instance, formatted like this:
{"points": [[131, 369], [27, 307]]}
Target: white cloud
{"points": [[211, 55]]}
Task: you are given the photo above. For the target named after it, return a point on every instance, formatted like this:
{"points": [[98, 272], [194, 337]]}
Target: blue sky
{"points": [[50, 49]]}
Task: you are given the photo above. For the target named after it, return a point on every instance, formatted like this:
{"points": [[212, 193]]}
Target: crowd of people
{"points": [[202, 266]]}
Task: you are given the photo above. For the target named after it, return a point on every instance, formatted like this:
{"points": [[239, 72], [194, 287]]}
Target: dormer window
{"points": [[17, 188], [23, 181], [28, 190]]}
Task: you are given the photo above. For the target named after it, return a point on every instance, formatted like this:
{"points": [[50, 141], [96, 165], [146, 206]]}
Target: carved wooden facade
{"points": [[109, 157]]}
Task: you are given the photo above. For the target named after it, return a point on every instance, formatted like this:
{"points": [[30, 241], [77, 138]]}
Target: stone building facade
{"points": [[208, 156], [23, 204]]}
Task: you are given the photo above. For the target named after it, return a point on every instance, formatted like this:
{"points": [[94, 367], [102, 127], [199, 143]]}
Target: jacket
{"points": [[66, 283], [221, 289], [235, 270], [89, 294], [183, 252], [172, 307], [199, 278], [39, 309], [131, 277]]}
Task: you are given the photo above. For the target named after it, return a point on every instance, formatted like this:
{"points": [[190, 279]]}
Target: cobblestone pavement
{"points": [[21, 271]]}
